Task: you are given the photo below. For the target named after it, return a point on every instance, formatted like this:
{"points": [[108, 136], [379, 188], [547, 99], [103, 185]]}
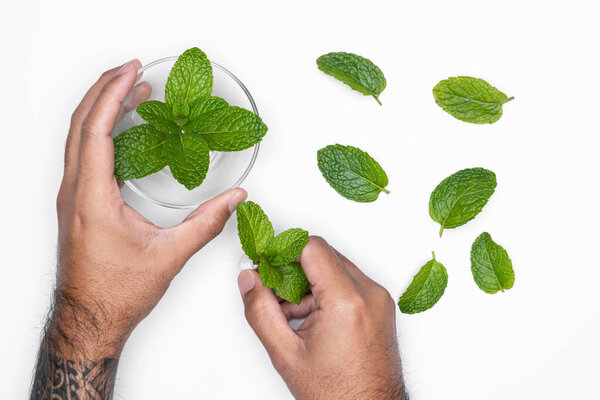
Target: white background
{"points": [[538, 340]]}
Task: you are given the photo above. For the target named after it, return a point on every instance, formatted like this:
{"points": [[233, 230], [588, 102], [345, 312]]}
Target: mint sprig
{"points": [[183, 130], [274, 255]]}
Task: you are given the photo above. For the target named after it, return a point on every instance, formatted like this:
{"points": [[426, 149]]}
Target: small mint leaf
{"points": [[286, 246], [470, 99], [294, 284], [461, 196], [490, 265], [188, 157], [254, 229], [158, 114], [353, 173], [191, 77], [231, 129], [205, 106], [270, 276], [426, 288], [355, 71], [139, 151]]}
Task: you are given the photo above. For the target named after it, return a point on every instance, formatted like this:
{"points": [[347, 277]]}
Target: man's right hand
{"points": [[346, 348]]}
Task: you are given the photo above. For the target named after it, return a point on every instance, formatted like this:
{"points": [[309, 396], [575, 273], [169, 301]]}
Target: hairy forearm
{"points": [[76, 359]]}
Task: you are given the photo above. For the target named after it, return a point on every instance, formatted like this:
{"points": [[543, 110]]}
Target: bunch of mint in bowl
{"points": [[193, 140]]}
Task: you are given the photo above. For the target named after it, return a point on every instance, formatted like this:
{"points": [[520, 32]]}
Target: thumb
{"points": [[266, 318], [205, 222]]}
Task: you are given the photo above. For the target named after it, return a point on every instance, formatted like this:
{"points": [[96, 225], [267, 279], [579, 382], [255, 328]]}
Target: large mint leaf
{"points": [[352, 172], [270, 276], [191, 77], [230, 129], [286, 246], [159, 115], [294, 284], [491, 266], [470, 99], [188, 157], [254, 229], [461, 196], [139, 151], [355, 71], [426, 288]]}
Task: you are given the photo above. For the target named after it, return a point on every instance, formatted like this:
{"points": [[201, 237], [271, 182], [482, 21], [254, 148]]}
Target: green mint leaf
{"points": [[491, 266], [294, 284], [181, 110], [191, 77], [188, 157], [270, 276], [254, 229], [159, 115], [426, 288], [470, 99], [286, 246], [461, 196], [139, 151], [355, 71], [231, 129], [205, 107], [352, 172]]}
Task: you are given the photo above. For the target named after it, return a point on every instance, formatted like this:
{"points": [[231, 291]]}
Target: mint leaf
{"points": [[286, 246], [355, 71], [294, 284], [188, 157], [159, 115], [270, 276], [461, 196], [191, 77], [181, 110], [491, 266], [231, 129], [470, 99], [352, 172], [204, 107], [139, 152], [254, 229], [426, 288]]}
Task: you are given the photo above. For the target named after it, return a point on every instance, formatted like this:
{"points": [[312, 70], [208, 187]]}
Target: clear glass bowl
{"points": [[227, 169]]}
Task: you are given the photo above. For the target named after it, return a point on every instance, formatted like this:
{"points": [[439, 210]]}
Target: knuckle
{"points": [[255, 311], [212, 226], [106, 75], [77, 116], [355, 303]]}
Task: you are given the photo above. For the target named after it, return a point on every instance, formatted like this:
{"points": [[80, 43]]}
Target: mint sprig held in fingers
{"points": [[183, 130], [274, 255], [355, 71], [470, 99]]}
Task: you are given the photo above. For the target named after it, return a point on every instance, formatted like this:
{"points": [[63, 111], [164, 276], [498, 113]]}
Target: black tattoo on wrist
{"points": [[60, 379]]}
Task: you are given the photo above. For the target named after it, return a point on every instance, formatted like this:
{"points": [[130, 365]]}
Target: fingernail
{"points": [[246, 281], [126, 67], [236, 199]]}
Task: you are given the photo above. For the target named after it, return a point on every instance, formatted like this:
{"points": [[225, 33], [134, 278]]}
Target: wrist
{"points": [[80, 329]]}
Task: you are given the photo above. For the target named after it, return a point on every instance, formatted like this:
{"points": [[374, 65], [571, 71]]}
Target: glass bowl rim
{"points": [[256, 147]]}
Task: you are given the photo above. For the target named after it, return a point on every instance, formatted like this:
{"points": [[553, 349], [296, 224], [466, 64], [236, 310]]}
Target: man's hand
{"points": [[346, 348], [113, 264]]}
